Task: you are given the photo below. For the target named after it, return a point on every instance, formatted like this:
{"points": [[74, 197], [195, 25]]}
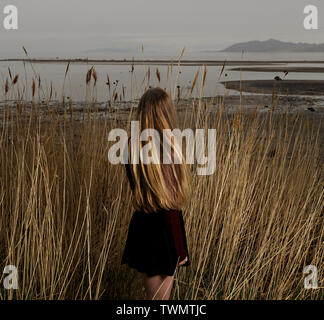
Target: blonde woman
{"points": [[156, 242]]}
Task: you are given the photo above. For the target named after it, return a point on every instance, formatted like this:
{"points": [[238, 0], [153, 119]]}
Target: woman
{"points": [[156, 242]]}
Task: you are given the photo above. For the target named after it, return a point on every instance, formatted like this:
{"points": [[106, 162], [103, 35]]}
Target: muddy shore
{"points": [[291, 87]]}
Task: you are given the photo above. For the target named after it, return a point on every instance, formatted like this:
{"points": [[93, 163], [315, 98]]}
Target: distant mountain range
{"points": [[273, 45]]}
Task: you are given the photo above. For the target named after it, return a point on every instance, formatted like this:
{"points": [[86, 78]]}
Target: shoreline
{"points": [[166, 62], [283, 103]]}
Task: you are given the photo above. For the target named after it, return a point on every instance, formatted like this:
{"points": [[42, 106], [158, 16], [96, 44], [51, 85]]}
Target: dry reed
{"points": [[252, 227]]}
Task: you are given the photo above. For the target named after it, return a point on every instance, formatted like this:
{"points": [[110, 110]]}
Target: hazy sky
{"points": [[73, 27]]}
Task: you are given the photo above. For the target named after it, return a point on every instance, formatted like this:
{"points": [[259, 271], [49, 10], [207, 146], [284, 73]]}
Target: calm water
{"points": [[122, 80]]}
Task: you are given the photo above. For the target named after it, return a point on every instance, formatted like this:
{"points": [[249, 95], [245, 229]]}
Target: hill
{"points": [[273, 45]]}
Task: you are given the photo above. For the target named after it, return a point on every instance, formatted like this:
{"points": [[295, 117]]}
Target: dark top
{"points": [[156, 241]]}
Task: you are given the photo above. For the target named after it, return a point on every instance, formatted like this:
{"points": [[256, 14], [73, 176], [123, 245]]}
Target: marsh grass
{"points": [[252, 226]]}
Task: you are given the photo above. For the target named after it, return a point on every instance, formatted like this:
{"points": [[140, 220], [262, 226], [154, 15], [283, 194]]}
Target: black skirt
{"points": [[155, 244]]}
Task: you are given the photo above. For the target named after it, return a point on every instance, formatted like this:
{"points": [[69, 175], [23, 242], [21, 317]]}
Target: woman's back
{"points": [[156, 242]]}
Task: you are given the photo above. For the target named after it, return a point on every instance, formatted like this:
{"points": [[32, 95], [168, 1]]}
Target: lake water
{"points": [[131, 86]]}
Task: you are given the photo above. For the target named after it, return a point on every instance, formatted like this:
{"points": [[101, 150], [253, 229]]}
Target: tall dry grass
{"points": [[252, 226]]}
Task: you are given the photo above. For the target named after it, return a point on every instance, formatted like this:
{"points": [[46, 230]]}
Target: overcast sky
{"points": [[81, 27]]}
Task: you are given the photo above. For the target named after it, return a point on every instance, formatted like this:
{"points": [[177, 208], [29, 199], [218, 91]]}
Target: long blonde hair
{"points": [[159, 186]]}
